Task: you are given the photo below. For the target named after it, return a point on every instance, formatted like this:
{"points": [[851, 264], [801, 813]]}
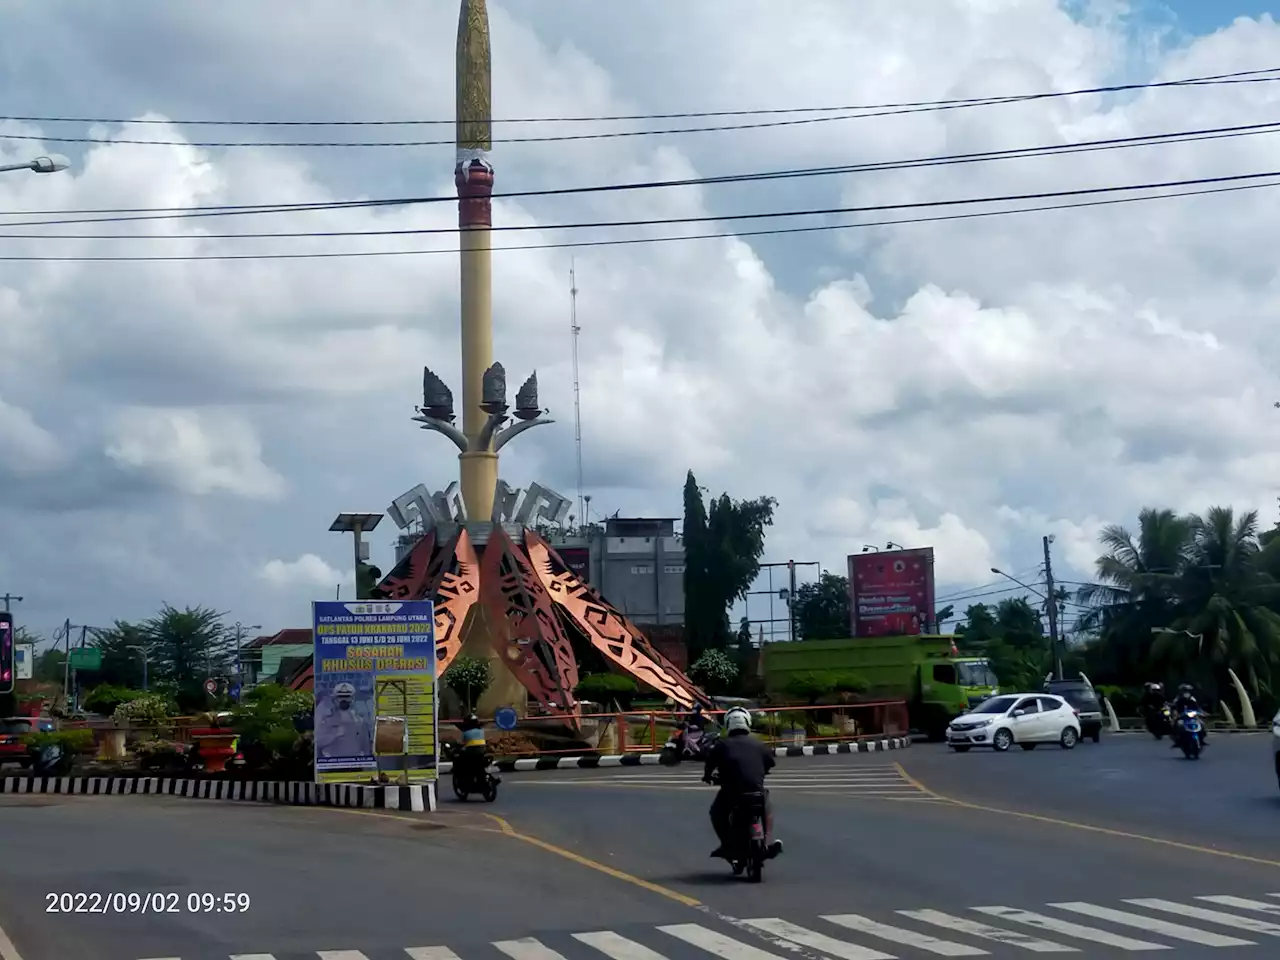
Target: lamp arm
{"points": [[515, 430], [447, 429]]}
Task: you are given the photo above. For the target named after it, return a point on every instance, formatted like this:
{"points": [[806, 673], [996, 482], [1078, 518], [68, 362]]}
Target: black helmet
{"points": [[1185, 688]]}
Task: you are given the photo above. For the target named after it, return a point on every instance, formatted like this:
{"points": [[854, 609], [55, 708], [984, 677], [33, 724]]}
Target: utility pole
{"points": [[7, 598], [1051, 605], [791, 597]]}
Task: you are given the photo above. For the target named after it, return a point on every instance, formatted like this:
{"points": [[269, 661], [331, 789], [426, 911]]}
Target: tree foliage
{"points": [[715, 671], [1186, 598], [469, 678], [723, 544], [1011, 636], [822, 608]]}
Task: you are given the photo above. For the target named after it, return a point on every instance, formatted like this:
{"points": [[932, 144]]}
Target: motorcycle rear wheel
{"points": [[755, 865], [490, 792], [669, 757]]}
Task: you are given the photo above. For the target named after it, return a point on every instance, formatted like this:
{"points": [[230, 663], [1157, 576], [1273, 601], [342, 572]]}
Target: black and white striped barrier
{"points": [[647, 759], [419, 798]]}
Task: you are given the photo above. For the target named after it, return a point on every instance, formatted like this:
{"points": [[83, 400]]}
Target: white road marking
{"points": [[250, 956], [1070, 929], [817, 941], [7, 950], [724, 947], [1252, 924], [987, 932], [527, 948], [430, 953], [617, 946], [908, 938], [1243, 903], [1163, 927], [338, 955]]}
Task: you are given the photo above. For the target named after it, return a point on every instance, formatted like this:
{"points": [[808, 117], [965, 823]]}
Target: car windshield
{"points": [[976, 673], [995, 705], [15, 726]]}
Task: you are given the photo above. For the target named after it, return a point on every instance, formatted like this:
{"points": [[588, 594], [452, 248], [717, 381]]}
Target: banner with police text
{"points": [[375, 690]]}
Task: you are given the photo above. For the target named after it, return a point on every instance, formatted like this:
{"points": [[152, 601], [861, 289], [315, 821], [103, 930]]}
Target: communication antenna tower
{"points": [[577, 394]]}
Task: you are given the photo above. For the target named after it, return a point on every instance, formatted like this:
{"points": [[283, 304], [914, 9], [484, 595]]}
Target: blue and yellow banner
{"points": [[375, 691]]}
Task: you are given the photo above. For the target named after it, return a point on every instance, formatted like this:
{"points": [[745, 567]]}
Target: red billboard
{"points": [[577, 559], [891, 592]]}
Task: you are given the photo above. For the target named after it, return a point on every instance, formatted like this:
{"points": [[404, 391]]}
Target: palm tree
{"points": [[1136, 589], [1225, 601]]}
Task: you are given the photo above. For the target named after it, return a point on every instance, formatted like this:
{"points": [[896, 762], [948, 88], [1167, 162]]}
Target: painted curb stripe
{"points": [[647, 759]]}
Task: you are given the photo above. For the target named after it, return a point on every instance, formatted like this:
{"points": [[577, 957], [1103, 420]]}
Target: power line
{"points": [[627, 241], [1088, 146], [663, 221], [1242, 76]]}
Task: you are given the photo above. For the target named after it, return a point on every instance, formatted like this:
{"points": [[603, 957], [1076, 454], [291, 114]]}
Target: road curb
{"points": [[651, 759], [420, 798]]}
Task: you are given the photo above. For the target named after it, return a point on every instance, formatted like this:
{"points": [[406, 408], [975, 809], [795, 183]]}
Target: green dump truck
{"points": [[937, 683]]}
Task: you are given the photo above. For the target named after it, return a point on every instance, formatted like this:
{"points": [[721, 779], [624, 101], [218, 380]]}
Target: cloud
{"points": [[196, 452], [308, 571], [972, 385]]}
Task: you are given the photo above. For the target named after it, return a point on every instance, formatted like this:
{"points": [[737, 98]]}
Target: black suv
{"points": [[1084, 700]]}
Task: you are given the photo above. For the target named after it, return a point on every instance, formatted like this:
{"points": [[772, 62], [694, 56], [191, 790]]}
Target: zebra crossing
{"points": [[1088, 930], [867, 781]]}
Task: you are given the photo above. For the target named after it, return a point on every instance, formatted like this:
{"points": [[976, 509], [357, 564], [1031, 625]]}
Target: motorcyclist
{"points": [[742, 763], [1153, 697], [1186, 700], [695, 720], [474, 747]]}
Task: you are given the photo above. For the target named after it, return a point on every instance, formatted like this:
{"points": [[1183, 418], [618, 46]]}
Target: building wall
{"points": [[639, 567], [273, 654]]}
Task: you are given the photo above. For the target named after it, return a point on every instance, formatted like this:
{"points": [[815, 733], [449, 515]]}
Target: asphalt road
{"points": [[624, 851]]}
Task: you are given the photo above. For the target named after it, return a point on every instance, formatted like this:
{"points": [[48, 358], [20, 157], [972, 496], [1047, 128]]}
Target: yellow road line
{"points": [[1088, 827], [582, 861]]}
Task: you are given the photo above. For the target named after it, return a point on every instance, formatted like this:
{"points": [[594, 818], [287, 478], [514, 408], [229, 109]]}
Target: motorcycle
{"points": [[750, 848], [686, 744], [1159, 720], [1189, 735], [470, 776]]}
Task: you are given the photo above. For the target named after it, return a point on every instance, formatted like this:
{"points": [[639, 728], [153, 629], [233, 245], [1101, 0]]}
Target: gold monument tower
{"points": [[473, 176], [500, 590]]}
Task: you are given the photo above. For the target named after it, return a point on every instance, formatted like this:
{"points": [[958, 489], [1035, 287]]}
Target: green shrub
{"points": [[71, 741], [811, 686], [151, 708], [606, 688], [105, 697]]}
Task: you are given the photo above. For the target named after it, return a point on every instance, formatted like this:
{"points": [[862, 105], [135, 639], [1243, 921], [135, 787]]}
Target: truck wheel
{"points": [[1027, 746]]}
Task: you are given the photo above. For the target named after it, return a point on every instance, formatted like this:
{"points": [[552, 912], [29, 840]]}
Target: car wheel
{"points": [[1069, 738], [1027, 746], [1096, 737], [960, 748], [1002, 741]]}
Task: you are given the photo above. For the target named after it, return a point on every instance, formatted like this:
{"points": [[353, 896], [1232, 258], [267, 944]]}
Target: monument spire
{"points": [[473, 176]]}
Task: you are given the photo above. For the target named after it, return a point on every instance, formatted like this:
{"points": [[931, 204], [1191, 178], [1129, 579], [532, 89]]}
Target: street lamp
{"points": [[1000, 573], [867, 546], [356, 524], [1169, 632], [894, 546], [50, 164], [143, 651]]}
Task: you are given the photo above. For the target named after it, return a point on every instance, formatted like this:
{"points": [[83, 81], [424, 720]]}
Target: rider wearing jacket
{"points": [[473, 744], [742, 763], [1186, 700]]}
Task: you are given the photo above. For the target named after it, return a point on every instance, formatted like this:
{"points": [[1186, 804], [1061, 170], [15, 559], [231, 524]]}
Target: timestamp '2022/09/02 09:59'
{"points": [[146, 902]]}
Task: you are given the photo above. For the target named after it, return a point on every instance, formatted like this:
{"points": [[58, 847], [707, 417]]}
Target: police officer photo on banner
{"points": [[344, 722]]}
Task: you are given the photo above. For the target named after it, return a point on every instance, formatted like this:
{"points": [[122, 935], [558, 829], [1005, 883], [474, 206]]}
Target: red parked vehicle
{"points": [[12, 732]]}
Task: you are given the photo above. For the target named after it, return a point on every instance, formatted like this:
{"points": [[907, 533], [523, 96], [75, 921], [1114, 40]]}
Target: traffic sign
{"points": [[86, 658], [211, 686], [506, 718]]}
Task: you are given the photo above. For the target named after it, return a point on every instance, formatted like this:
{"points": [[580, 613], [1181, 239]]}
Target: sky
{"points": [[183, 432]]}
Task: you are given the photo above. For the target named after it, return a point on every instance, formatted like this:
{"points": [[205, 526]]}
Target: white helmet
{"points": [[738, 718]]}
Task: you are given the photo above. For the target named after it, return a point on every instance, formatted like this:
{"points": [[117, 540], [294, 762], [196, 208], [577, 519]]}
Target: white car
{"points": [[1275, 742], [1027, 719]]}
